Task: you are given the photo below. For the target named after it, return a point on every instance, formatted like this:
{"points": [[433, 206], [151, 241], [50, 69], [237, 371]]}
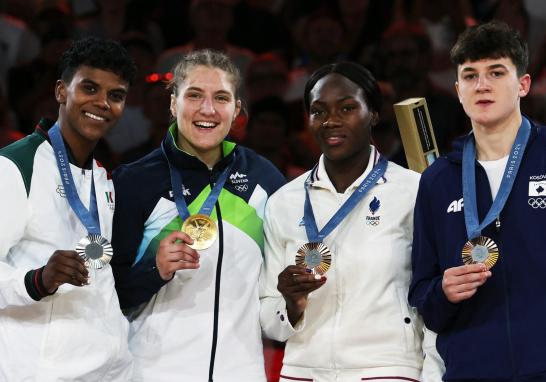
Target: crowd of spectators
{"points": [[276, 45]]}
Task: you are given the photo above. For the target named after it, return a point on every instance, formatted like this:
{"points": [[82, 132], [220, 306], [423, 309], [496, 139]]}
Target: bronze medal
{"points": [[202, 229], [95, 250], [481, 249], [314, 256]]}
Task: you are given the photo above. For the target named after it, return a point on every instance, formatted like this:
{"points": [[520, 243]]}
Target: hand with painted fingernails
{"points": [[295, 283], [174, 253]]}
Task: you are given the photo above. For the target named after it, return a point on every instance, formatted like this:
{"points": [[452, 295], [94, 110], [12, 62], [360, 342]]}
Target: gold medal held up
{"points": [[480, 250], [202, 229], [314, 256]]}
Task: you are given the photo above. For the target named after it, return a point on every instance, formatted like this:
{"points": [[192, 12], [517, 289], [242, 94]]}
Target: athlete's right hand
{"points": [[295, 283], [64, 267], [174, 254], [461, 283]]}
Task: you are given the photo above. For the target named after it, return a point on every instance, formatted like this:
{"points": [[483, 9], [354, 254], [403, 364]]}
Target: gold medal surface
{"points": [[315, 257], [481, 249], [202, 229], [95, 250]]}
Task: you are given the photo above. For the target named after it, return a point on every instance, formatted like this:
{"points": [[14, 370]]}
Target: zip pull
{"points": [[498, 223]]}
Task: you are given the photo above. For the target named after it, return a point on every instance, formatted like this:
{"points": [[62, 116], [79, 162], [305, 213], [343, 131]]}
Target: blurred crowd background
{"points": [[276, 44]]}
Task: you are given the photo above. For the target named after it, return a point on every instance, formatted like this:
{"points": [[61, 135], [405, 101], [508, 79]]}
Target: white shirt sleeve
{"points": [[273, 315], [433, 365], [15, 213]]}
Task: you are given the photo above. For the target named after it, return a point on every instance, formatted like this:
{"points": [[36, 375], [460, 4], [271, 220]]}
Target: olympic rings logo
{"points": [[537, 202], [372, 222]]}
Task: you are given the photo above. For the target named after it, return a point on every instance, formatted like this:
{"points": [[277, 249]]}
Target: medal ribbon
{"points": [[473, 227], [89, 218], [313, 234], [176, 183]]}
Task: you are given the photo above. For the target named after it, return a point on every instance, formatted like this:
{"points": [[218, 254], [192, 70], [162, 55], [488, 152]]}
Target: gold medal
{"points": [[315, 257], [481, 250], [95, 250], [202, 229]]}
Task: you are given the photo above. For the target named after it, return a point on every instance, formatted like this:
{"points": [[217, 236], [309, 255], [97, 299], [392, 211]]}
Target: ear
{"points": [[173, 105], [60, 92], [375, 119], [238, 106], [524, 85], [458, 92]]}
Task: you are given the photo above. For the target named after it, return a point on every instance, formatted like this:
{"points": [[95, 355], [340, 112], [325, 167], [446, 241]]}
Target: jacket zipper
{"points": [[216, 291]]}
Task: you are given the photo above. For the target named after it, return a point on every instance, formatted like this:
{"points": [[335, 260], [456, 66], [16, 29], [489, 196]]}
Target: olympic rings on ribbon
{"points": [[537, 202]]}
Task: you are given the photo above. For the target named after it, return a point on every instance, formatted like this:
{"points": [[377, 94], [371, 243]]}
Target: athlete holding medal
{"points": [[478, 250], [338, 242], [188, 236], [59, 312]]}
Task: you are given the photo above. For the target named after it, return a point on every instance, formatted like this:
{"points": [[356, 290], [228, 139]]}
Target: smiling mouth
{"points": [[334, 140], [94, 116], [205, 124]]}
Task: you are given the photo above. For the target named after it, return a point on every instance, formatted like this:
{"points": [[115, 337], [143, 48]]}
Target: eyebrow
{"points": [[494, 66], [91, 82], [339, 100], [195, 88]]}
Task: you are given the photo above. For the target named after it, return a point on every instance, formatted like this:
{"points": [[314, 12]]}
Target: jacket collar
{"points": [[456, 156]]}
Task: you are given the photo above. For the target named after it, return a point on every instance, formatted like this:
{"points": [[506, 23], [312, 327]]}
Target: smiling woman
{"points": [[196, 291], [363, 206]]}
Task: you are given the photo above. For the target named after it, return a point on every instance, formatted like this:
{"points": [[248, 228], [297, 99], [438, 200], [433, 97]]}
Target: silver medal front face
{"points": [[95, 250]]}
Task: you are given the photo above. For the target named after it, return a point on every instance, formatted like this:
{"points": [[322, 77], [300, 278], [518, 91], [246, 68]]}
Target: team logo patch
{"points": [[537, 192], [238, 178], [374, 206], [455, 206], [60, 191]]}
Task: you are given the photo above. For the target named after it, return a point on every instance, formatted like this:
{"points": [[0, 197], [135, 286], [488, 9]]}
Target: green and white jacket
{"points": [[203, 324]]}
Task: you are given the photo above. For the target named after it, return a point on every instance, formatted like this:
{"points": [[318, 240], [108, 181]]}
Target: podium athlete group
{"points": [[176, 266]]}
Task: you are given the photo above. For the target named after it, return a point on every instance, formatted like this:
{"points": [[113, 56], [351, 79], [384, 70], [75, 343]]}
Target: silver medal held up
{"points": [[95, 250]]}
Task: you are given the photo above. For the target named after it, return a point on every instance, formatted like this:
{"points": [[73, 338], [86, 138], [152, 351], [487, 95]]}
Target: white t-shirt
{"points": [[494, 170]]}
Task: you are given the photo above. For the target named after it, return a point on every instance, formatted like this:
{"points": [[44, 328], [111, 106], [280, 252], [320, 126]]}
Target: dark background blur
{"points": [[276, 44]]}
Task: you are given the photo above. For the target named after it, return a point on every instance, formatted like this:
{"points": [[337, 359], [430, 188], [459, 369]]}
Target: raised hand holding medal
{"points": [[482, 249], [315, 255], [94, 249]]}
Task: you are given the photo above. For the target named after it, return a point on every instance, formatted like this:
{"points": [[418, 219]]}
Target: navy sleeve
{"points": [[135, 283], [426, 292]]}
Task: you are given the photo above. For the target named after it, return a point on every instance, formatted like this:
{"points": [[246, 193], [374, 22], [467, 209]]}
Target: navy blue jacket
{"points": [[500, 333]]}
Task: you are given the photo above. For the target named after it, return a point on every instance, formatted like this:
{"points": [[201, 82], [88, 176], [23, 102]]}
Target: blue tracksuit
{"points": [[499, 334]]}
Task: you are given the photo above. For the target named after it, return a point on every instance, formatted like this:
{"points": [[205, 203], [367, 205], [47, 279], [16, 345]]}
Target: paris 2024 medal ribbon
{"points": [[315, 255], [94, 249], [479, 248], [200, 227]]}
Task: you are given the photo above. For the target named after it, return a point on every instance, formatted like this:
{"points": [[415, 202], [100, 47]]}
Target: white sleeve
{"points": [[433, 365], [15, 211], [273, 315]]}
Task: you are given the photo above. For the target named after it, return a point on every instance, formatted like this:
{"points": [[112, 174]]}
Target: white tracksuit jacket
{"points": [[78, 333], [358, 325]]}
